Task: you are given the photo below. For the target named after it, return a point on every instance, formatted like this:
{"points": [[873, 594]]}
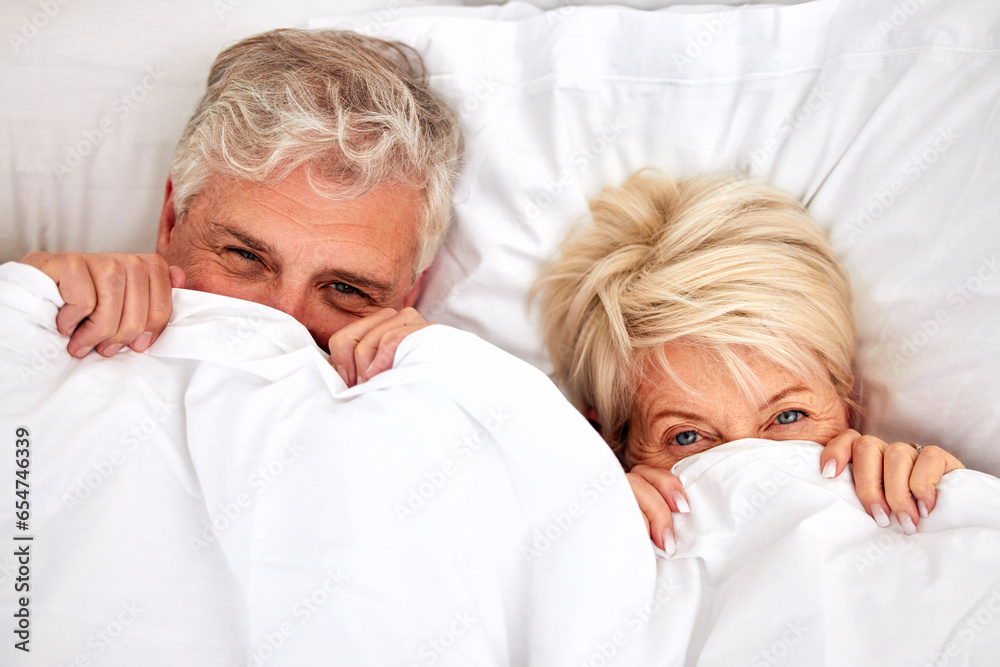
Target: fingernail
{"points": [[906, 523], [922, 509], [682, 503], [669, 545], [112, 350], [142, 341], [830, 469], [341, 372], [82, 352], [881, 518]]}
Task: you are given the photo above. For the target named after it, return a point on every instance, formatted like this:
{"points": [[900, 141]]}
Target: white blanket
{"points": [[225, 500]]}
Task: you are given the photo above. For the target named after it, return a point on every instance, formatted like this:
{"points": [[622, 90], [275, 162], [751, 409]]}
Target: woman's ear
{"points": [[851, 415], [594, 419]]}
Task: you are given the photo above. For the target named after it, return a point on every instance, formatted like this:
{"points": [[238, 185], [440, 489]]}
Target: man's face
{"points": [[324, 262]]}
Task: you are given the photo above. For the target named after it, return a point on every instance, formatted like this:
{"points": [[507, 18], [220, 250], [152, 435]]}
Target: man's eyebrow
{"points": [[784, 393], [242, 237]]}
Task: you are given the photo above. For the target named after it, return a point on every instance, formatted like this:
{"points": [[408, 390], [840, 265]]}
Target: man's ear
{"points": [[414, 293], [168, 220]]}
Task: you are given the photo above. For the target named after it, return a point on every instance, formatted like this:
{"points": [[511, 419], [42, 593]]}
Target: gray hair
{"points": [[356, 111], [716, 262]]}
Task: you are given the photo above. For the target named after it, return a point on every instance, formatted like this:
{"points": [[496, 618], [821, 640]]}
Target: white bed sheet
{"points": [[882, 116], [229, 486], [224, 500]]}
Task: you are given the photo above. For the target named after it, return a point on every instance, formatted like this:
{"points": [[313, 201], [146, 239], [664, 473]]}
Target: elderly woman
{"points": [[697, 312]]}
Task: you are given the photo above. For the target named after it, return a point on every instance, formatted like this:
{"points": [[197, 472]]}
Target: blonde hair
{"points": [[357, 111], [716, 262]]}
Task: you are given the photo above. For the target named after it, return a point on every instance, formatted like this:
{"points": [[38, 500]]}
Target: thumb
{"points": [[177, 277]]}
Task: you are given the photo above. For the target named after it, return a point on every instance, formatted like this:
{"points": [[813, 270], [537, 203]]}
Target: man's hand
{"points": [[112, 299], [366, 347], [659, 493], [890, 477]]}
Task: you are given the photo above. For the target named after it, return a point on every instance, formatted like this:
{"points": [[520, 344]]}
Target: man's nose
{"points": [[289, 301], [295, 303]]}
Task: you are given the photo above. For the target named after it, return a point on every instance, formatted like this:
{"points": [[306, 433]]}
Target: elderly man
{"points": [[314, 177]]}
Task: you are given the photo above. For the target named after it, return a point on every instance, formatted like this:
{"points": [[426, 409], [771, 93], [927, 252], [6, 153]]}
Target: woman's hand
{"points": [[890, 478], [112, 299], [659, 493], [366, 347]]}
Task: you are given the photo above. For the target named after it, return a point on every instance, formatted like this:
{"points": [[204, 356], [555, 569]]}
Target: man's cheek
{"points": [[324, 322]]}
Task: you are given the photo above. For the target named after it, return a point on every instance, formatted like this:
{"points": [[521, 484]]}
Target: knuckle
{"points": [[137, 265], [88, 304], [867, 444], [153, 260], [365, 347], [867, 490], [159, 314], [65, 263], [900, 450], [640, 470], [659, 517], [111, 274]]}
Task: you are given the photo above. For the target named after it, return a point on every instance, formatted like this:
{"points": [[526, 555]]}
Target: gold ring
{"points": [[916, 447]]}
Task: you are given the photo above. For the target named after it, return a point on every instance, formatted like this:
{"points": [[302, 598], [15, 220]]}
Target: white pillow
{"points": [[883, 119]]}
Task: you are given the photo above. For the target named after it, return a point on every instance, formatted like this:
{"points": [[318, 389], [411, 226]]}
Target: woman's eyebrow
{"points": [[668, 412], [784, 393]]}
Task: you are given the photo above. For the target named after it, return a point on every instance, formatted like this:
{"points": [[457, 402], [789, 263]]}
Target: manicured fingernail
{"points": [[82, 352], [922, 509], [906, 523], [669, 545], [881, 518], [112, 350], [830, 469], [341, 372], [142, 341], [682, 503]]}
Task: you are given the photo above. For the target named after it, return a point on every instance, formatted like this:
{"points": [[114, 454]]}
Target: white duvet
{"points": [[225, 500]]}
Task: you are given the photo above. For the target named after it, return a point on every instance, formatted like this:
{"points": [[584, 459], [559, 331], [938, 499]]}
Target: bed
{"points": [[295, 523]]}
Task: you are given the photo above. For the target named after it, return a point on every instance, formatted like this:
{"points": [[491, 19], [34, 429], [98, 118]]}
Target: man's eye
{"points": [[245, 254], [789, 417], [344, 288], [686, 438]]}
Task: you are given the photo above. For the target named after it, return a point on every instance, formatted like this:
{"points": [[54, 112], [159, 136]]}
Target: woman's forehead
{"points": [[687, 373]]}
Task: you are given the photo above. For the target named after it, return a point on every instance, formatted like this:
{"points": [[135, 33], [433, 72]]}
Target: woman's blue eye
{"points": [[790, 416], [686, 438]]}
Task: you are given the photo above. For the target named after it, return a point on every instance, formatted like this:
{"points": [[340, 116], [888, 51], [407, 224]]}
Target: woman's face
{"points": [[670, 422]]}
